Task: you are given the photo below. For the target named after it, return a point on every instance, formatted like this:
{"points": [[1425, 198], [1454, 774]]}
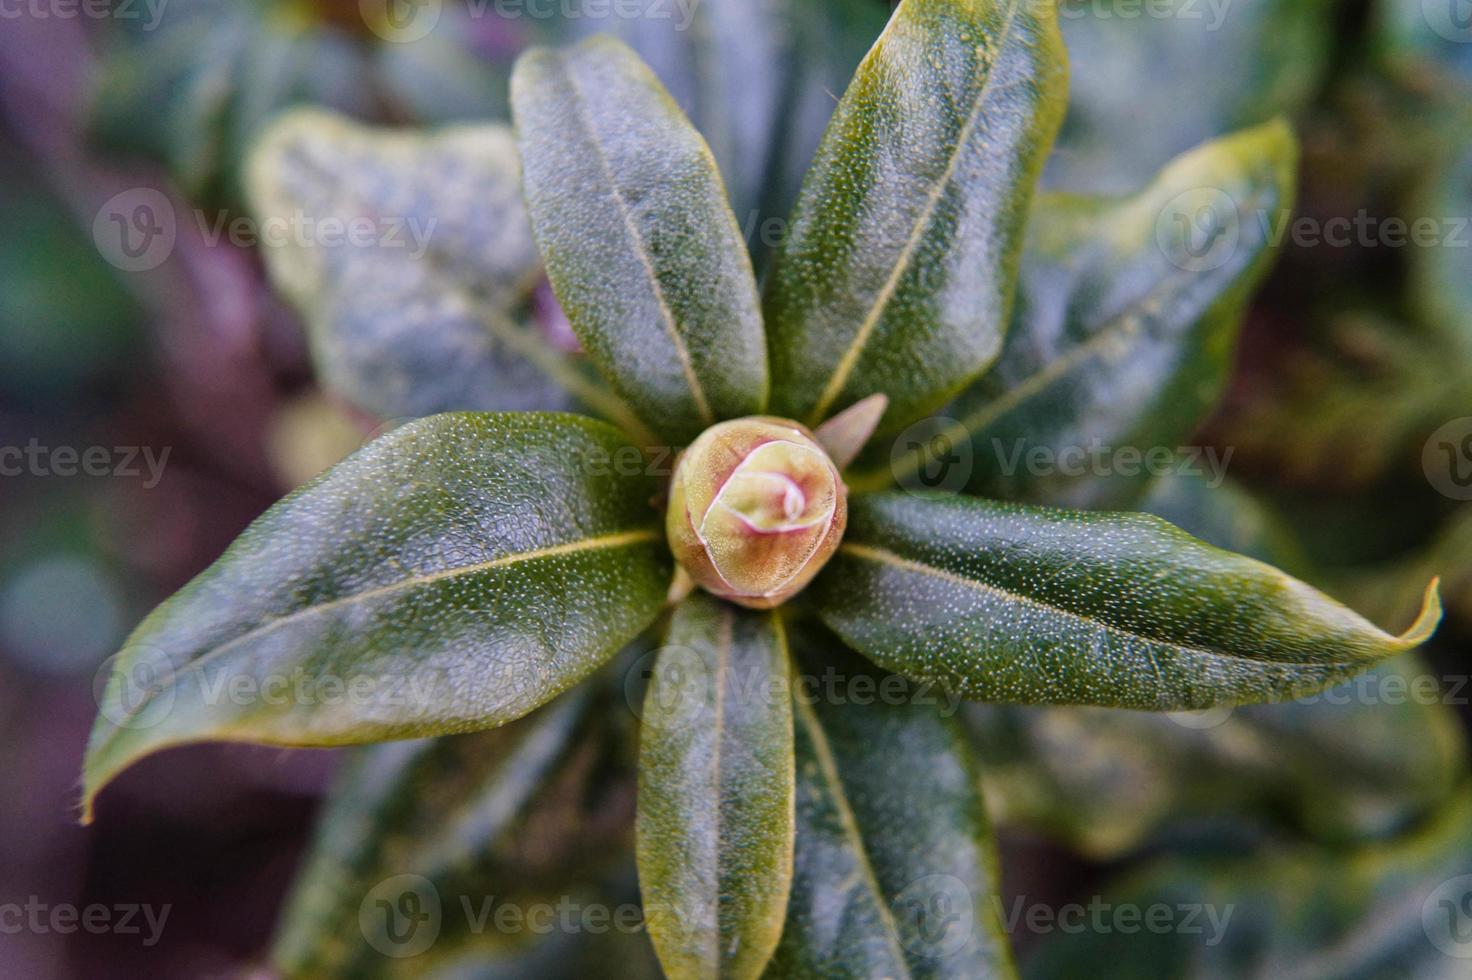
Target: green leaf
{"points": [[639, 241], [999, 602], [451, 575], [426, 312], [898, 271], [1149, 87], [1231, 517], [725, 63], [715, 826], [1398, 910], [465, 824], [896, 868], [1125, 329]]}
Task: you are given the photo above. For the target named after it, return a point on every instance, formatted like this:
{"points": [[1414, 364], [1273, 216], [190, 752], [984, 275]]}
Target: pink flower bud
{"points": [[756, 510]]}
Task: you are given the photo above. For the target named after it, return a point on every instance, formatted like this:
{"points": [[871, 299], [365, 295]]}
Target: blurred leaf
{"points": [[896, 872], [1401, 911], [193, 88], [640, 243], [65, 318], [511, 816], [1360, 760], [715, 824], [449, 76], [1386, 589], [1344, 415], [1427, 38], [1126, 324], [1441, 273], [898, 272], [309, 434], [1004, 603], [420, 304], [451, 575], [1176, 74]]}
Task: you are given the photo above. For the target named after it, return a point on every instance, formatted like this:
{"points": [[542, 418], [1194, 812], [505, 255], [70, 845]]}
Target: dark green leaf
{"points": [[1232, 518], [1125, 327], [724, 62], [451, 575], [1006, 603], [715, 825], [426, 313], [896, 870], [639, 240], [467, 822], [1151, 86], [898, 271]]}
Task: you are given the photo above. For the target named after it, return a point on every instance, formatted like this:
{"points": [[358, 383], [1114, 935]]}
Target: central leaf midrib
{"points": [[615, 540], [641, 251], [849, 360], [850, 823], [885, 557]]}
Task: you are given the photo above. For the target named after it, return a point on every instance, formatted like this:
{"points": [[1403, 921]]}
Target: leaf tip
{"points": [[1429, 619]]}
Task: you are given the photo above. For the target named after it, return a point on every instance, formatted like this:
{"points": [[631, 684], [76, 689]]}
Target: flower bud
{"points": [[756, 510]]}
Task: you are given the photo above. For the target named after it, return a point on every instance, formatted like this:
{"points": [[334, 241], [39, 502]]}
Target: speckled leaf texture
{"points": [[424, 308], [1126, 322], [896, 867], [715, 826], [898, 270], [516, 808], [451, 575], [1001, 602], [638, 238]]}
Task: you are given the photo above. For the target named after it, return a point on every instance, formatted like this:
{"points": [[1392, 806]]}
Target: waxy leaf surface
{"points": [[715, 825], [450, 576], [897, 272], [638, 238], [1000, 602]]}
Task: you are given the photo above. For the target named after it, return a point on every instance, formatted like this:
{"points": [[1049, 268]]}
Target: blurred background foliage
{"points": [[1328, 825]]}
